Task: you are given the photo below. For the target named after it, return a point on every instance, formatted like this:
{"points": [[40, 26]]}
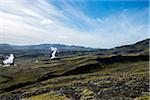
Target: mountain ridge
{"points": [[63, 45], [141, 47]]}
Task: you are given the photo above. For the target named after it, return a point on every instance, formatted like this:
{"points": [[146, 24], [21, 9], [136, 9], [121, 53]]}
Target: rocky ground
{"points": [[126, 81]]}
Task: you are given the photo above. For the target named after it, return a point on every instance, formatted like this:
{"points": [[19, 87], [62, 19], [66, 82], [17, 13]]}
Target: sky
{"points": [[89, 23]]}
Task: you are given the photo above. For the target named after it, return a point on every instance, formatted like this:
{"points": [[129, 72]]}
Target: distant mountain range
{"points": [[139, 47], [42, 47]]}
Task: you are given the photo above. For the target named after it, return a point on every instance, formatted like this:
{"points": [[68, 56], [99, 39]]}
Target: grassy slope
{"points": [[29, 71], [119, 81], [123, 77]]}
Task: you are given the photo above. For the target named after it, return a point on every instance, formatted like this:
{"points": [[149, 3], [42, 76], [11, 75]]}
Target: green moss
{"points": [[31, 72], [47, 96], [87, 92], [3, 79], [143, 98]]}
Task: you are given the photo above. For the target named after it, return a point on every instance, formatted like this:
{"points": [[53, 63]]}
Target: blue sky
{"points": [[90, 23]]}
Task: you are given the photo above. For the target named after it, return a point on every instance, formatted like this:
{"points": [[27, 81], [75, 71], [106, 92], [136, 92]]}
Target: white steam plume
{"points": [[53, 55], [9, 60]]}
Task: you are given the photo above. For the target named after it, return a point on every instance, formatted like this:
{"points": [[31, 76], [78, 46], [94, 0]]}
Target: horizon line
{"points": [[34, 44]]}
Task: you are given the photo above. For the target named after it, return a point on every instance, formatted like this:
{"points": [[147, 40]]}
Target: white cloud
{"points": [[100, 20], [42, 22], [28, 12], [46, 21]]}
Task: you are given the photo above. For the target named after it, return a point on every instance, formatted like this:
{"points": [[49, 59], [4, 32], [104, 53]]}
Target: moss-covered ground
{"points": [[70, 78]]}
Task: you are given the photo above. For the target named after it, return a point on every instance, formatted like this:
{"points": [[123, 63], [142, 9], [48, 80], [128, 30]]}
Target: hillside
{"points": [[141, 47], [84, 75]]}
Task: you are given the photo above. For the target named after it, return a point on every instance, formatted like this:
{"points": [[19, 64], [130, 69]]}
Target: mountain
{"points": [[141, 47], [42, 47]]}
